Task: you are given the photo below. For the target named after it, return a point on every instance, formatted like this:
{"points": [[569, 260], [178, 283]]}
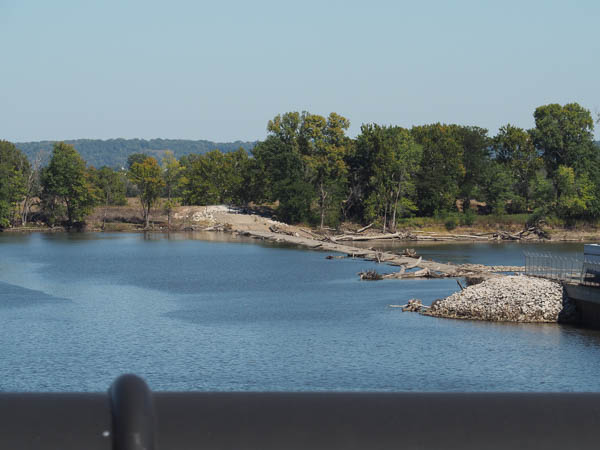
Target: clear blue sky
{"points": [[219, 70]]}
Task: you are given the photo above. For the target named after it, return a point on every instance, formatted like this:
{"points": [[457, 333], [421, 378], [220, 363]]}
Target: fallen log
{"points": [[423, 273], [371, 237], [310, 233], [364, 228], [415, 264]]}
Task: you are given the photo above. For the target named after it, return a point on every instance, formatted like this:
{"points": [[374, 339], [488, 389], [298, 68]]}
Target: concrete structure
{"points": [[586, 293], [587, 300]]}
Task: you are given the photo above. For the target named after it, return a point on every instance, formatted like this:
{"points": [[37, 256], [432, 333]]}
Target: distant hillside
{"points": [[114, 152]]}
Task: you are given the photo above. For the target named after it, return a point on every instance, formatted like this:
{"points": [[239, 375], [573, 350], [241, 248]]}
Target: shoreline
{"points": [[127, 218], [437, 238]]}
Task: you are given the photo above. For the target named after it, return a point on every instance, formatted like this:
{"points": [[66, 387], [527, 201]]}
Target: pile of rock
{"points": [[508, 299]]}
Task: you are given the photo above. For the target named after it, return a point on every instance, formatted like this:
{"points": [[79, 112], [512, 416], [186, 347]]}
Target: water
{"points": [[187, 313]]}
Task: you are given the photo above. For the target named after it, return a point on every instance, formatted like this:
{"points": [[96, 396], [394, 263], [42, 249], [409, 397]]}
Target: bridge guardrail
{"points": [[131, 417]]}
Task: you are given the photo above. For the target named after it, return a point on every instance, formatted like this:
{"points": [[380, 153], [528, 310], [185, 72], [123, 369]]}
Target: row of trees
{"points": [[313, 172]]}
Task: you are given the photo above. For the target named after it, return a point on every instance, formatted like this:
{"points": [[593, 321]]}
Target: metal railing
{"points": [[131, 417], [568, 269]]}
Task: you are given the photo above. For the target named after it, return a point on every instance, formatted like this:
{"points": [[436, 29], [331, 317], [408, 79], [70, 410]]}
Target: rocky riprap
{"points": [[515, 298]]}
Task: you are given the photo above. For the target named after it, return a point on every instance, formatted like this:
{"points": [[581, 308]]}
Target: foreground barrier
{"points": [[131, 417]]}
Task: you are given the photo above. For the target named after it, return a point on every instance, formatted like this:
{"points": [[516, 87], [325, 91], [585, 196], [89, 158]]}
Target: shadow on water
{"points": [[12, 296]]}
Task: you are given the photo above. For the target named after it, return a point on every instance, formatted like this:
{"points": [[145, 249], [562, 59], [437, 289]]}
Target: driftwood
{"points": [[435, 269], [370, 275], [310, 233], [413, 305], [364, 228], [423, 273], [503, 235], [335, 257], [276, 229], [415, 264], [410, 252], [371, 237]]}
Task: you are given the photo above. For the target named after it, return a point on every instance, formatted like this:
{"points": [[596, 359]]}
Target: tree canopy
{"points": [[310, 171], [14, 170], [147, 176], [67, 188]]}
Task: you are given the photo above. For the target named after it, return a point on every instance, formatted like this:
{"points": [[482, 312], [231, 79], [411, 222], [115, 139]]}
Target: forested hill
{"points": [[114, 152]]}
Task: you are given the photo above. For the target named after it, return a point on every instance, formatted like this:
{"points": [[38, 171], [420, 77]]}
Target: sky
{"points": [[219, 70]]}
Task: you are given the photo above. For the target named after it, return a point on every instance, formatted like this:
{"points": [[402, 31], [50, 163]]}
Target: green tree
{"points": [[147, 176], [32, 187], [394, 159], [67, 186], [111, 185], [172, 176], [323, 146], [14, 172], [111, 188], [514, 148], [135, 158], [496, 187], [476, 157], [277, 163], [171, 173], [442, 167], [564, 136], [279, 170], [576, 194], [214, 178]]}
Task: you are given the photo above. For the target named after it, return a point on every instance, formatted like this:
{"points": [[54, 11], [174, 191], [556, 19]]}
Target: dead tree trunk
{"points": [[322, 201]]}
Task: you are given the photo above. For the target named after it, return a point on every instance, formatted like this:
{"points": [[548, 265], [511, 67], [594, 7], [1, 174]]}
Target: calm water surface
{"points": [[187, 313]]}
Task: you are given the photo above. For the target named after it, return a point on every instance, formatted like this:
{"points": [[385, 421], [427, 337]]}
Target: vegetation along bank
{"points": [[433, 177]]}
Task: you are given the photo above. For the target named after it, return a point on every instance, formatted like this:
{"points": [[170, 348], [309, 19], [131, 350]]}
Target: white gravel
{"points": [[516, 298]]}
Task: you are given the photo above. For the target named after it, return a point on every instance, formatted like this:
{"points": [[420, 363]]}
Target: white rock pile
{"points": [[516, 298]]}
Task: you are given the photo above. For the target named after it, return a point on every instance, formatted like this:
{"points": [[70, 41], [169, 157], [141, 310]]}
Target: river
{"points": [[210, 312]]}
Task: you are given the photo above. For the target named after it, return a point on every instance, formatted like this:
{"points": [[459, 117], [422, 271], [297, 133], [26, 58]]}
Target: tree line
{"points": [[312, 172], [114, 152]]}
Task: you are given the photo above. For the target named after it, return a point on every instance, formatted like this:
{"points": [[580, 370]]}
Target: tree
{"points": [[135, 158], [32, 187], [277, 163], [442, 167], [171, 175], [476, 157], [14, 171], [214, 178], [496, 187], [514, 148], [323, 145], [564, 136], [280, 173], [394, 159], [111, 186], [147, 176], [576, 194], [66, 186]]}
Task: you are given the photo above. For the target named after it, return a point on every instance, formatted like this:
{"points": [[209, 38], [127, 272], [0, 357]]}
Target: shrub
{"points": [[451, 223], [468, 218]]}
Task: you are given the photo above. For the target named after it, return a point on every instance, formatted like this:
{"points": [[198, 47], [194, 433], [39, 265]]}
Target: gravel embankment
{"points": [[514, 298]]}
